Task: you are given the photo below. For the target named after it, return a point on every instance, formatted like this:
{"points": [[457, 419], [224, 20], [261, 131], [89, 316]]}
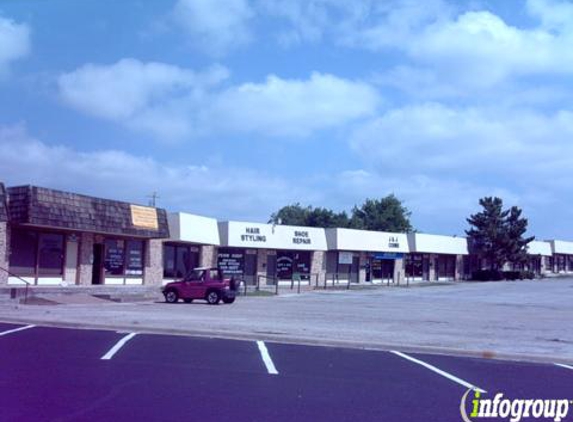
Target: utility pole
{"points": [[153, 198]]}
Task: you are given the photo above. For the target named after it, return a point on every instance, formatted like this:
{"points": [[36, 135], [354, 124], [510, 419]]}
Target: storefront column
{"points": [[318, 267], [262, 262], [72, 252], [363, 262], [4, 253], [85, 265], [153, 269], [208, 256], [459, 274], [433, 267], [399, 272]]}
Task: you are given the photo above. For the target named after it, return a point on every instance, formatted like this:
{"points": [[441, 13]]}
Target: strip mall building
{"points": [[49, 237]]}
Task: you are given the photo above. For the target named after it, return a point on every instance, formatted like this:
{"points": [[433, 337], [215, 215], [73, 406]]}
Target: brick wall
{"points": [[208, 256], [318, 266], [85, 259], [153, 268]]}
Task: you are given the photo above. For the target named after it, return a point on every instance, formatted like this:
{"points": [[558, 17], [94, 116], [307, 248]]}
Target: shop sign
{"points": [[144, 217], [345, 257], [253, 234], [387, 255], [301, 237], [393, 242], [231, 263]]}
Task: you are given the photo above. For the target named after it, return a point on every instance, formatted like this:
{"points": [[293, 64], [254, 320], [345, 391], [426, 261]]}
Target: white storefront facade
{"points": [[436, 258], [266, 253], [193, 243], [365, 256]]}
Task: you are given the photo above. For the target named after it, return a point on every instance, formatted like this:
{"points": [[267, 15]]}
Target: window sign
{"points": [[284, 267], [231, 263], [134, 257], [345, 258], [114, 257]]}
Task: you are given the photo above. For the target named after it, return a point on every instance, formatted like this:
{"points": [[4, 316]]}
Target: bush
{"points": [[487, 275]]}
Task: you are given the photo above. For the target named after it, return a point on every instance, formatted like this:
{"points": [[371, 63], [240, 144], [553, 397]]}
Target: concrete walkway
{"points": [[527, 320]]}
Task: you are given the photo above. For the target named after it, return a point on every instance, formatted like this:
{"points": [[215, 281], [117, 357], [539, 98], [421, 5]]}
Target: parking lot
{"points": [[56, 374], [526, 320]]}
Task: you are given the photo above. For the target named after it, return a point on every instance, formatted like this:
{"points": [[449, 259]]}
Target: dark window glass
{"points": [[168, 261], [114, 257], [51, 254], [183, 262], [134, 256], [23, 247]]}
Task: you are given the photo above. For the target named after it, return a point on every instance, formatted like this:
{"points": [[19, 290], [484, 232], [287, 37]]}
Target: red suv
{"points": [[201, 283]]}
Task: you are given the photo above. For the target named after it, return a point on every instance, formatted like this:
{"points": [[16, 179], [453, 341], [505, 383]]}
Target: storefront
{"points": [[193, 243], [540, 257], [562, 261], [61, 238], [267, 253], [435, 257], [365, 256]]}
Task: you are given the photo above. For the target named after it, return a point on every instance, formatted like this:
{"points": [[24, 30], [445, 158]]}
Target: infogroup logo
{"points": [[514, 410]]}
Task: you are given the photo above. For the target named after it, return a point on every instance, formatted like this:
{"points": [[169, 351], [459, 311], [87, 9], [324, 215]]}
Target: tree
{"points": [[516, 244], [386, 214], [497, 234], [294, 215]]}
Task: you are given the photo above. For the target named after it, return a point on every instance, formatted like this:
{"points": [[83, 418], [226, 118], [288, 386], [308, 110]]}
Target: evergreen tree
{"points": [[497, 234]]}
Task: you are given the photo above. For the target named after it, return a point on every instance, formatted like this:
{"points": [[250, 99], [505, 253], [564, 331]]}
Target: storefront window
{"points": [[36, 254], [134, 258], [23, 247], [114, 257], [290, 263], [51, 254], [179, 260], [123, 258]]}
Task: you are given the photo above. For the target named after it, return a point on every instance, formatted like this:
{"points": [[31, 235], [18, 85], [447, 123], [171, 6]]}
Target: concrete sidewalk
{"points": [[526, 320]]}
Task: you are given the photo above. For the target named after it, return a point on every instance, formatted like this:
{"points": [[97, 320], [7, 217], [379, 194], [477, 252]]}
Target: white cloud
{"points": [[218, 191], [470, 141], [280, 107], [173, 103], [465, 48], [143, 96], [14, 42], [215, 26]]}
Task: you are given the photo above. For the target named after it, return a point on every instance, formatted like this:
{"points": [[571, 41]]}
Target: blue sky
{"points": [[233, 108]]}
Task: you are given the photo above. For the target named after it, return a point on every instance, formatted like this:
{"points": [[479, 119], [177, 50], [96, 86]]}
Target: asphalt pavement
{"points": [[56, 374]]}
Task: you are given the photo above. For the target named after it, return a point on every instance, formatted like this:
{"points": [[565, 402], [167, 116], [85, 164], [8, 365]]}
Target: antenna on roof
{"points": [[153, 198]]}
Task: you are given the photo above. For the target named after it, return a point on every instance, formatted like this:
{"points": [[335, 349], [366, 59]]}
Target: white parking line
{"points": [[562, 365], [4, 333], [439, 371], [267, 358], [118, 346]]}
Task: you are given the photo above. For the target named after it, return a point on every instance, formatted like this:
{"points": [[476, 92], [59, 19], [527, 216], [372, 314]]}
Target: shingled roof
{"points": [[38, 206]]}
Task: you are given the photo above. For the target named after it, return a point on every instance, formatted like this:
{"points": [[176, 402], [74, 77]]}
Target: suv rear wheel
{"points": [[213, 297], [171, 296]]}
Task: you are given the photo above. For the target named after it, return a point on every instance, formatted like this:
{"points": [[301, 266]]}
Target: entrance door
{"points": [[97, 266], [355, 270], [250, 268], [271, 269]]}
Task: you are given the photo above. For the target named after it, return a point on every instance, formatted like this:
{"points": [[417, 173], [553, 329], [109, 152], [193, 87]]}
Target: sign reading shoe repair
{"points": [[269, 236]]}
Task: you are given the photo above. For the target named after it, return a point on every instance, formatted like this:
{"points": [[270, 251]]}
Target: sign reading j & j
{"points": [[144, 217]]}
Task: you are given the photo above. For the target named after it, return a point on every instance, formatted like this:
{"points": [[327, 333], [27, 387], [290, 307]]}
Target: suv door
{"points": [[194, 285]]}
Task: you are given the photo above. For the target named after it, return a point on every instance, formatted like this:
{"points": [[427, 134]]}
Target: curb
{"points": [[286, 339]]}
